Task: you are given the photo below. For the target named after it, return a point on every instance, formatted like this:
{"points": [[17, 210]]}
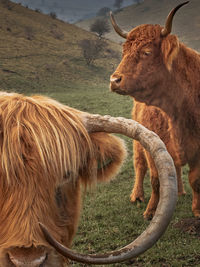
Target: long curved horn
{"points": [[121, 32], [168, 190], [168, 24]]}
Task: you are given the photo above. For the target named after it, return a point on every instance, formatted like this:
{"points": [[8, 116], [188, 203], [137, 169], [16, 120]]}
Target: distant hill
{"points": [[42, 54], [71, 10], [186, 21]]}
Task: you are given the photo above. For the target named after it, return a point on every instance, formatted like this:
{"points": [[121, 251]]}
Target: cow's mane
{"points": [[42, 143]]}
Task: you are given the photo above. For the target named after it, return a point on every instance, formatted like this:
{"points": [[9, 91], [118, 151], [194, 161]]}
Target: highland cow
{"points": [[159, 70], [48, 151], [157, 121]]}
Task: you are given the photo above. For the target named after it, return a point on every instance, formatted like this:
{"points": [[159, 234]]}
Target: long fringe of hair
{"points": [[40, 135]]}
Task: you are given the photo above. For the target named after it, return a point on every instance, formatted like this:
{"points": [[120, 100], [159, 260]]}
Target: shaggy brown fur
{"points": [[163, 72], [155, 120], [45, 156]]}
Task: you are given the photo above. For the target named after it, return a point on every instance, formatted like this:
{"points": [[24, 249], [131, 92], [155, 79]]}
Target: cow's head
{"points": [[148, 55], [47, 151]]}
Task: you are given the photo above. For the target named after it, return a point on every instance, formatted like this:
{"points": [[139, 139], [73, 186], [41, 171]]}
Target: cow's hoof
{"points": [[182, 193], [148, 215], [196, 213], [135, 197]]}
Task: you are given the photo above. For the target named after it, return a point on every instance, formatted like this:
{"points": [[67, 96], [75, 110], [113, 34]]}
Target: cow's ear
{"points": [[109, 154], [169, 48]]}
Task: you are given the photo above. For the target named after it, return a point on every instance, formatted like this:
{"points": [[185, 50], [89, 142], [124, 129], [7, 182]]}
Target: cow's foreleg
{"points": [[153, 202], [140, 167]]}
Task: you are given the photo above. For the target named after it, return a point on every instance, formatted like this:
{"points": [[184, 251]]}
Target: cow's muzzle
{"points": [[21, 257], [115, 83]]}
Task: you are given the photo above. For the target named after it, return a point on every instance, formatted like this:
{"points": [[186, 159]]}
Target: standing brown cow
{"points": [[161, 71], [48, 151], [155, 120]]}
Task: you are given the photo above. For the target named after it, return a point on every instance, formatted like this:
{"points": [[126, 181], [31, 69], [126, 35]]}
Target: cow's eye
{"points": [[147, 53]]}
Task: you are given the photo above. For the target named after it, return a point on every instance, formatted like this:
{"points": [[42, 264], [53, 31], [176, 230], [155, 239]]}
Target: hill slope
{"points": [[71, 10], [186, 22], [42, 54]]}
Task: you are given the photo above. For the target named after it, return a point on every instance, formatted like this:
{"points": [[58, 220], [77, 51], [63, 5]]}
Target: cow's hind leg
{"points": [[181, 190], [140, 167], [153, 202], [194, 179]]}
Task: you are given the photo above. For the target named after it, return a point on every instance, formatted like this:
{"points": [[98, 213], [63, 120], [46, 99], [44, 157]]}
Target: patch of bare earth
{"points": [[190, 226]]}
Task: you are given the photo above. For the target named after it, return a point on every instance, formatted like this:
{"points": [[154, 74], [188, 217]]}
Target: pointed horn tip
{"points": [[184, 3], [118, 30], [167, 29], [111, 15], [41, 224], [49, 238], [44, 229]]}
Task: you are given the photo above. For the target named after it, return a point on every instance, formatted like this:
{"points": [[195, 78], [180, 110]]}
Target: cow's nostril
{"points": [[118, 80], [22, 260], [115, 79]]}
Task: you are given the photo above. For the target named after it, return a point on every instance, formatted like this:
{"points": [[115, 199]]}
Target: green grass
{"points": [[109, 221]]}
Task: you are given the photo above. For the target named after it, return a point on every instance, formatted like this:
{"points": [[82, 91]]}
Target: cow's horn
{"points": [[168, 190], [121, 32], [168, 24]]}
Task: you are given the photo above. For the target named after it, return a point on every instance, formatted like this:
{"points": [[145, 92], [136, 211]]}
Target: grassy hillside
{"points": [[39, 54], [186, 22]]}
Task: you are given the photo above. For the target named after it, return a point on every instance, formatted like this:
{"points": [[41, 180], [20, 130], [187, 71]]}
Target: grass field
{"points": [[109, 220], [54, 67]]}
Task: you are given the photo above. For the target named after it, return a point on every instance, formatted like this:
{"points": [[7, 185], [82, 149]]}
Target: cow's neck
{"points": [[183, 96], [181, 100]]}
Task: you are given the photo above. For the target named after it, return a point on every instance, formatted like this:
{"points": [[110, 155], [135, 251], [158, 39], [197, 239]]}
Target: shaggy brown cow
{"points": [[155, 120], [161, 71], [47, 150]]}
